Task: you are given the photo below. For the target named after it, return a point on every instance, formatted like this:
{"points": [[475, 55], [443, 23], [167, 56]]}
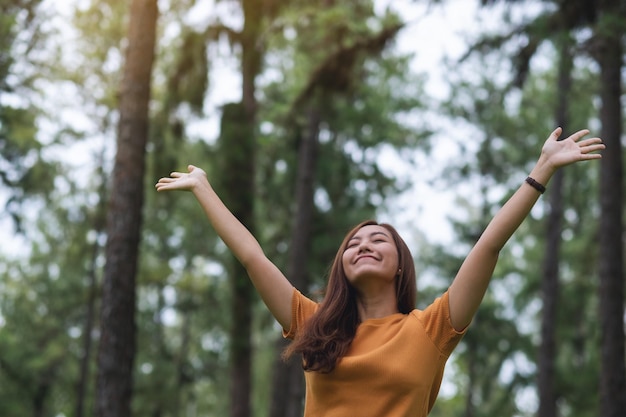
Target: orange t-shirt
{"points": [[393, 367]]}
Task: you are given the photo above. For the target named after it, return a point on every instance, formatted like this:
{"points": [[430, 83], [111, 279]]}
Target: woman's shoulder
{"points": [[302, 307], [437, 306], [435, 320]]}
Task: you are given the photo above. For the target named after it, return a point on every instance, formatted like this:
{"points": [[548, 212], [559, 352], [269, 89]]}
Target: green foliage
{"points": [[21, 165], [361, 106], [17, 18], [371, 102], [499, 350], [187, 79], [43, 300]]}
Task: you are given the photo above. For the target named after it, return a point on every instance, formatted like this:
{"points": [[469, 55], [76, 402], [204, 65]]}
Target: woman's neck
{"points": [[374, 305]]}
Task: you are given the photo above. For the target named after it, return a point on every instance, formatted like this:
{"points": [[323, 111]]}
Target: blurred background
{"points": [[308, 116]]}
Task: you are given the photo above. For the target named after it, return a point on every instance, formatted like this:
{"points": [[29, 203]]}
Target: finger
{"points": [[590, 141], [166, 180], [592, 148], [556, 133], [588, 156], [576, 136]]}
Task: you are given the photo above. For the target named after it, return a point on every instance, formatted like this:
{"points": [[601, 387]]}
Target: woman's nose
{"points": [[364, 246]]}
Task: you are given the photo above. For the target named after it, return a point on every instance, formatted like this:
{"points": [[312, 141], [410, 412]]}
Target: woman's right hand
{"points": [[181, 180]]}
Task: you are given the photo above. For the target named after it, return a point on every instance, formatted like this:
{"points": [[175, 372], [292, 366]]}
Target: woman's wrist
{"points": [[200, 186], [542, 171], [535, 184]]}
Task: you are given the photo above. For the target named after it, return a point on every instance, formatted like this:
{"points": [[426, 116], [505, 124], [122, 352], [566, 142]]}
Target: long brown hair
{"points": [[327, 335]]}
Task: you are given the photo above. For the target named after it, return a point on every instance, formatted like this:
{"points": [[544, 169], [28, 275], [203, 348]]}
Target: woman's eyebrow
{"points": [[356, 237]]}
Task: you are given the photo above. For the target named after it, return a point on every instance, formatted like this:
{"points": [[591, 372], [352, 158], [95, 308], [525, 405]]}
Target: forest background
{"points": [[308, 116]]}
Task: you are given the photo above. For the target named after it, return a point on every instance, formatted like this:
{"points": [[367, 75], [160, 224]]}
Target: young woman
{"points": [[365, 349]]}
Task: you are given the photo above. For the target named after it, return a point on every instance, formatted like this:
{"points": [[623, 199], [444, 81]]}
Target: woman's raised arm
{"points": [[469, 286], [273, 287]]}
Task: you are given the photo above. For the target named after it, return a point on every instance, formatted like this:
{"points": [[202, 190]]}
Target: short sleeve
{"points": [[302, 308], [436, 321]]}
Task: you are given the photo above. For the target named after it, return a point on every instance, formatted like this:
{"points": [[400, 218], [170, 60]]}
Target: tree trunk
{"points": [[611, 261], [42, 392], [288, 385], [117, 329], [550, 283], [85, 360], [90, 317], [236, 150]]}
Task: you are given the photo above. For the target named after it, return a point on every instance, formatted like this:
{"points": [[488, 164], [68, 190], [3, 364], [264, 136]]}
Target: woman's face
{"points": [[370, 253]]}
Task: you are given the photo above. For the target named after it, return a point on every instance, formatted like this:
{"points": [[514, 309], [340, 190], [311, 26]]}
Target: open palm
{"points": [[181, 180], [571, 149]]}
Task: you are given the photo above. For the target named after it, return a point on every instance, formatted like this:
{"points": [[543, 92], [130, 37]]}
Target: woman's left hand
{"points": [[572, 149]]}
